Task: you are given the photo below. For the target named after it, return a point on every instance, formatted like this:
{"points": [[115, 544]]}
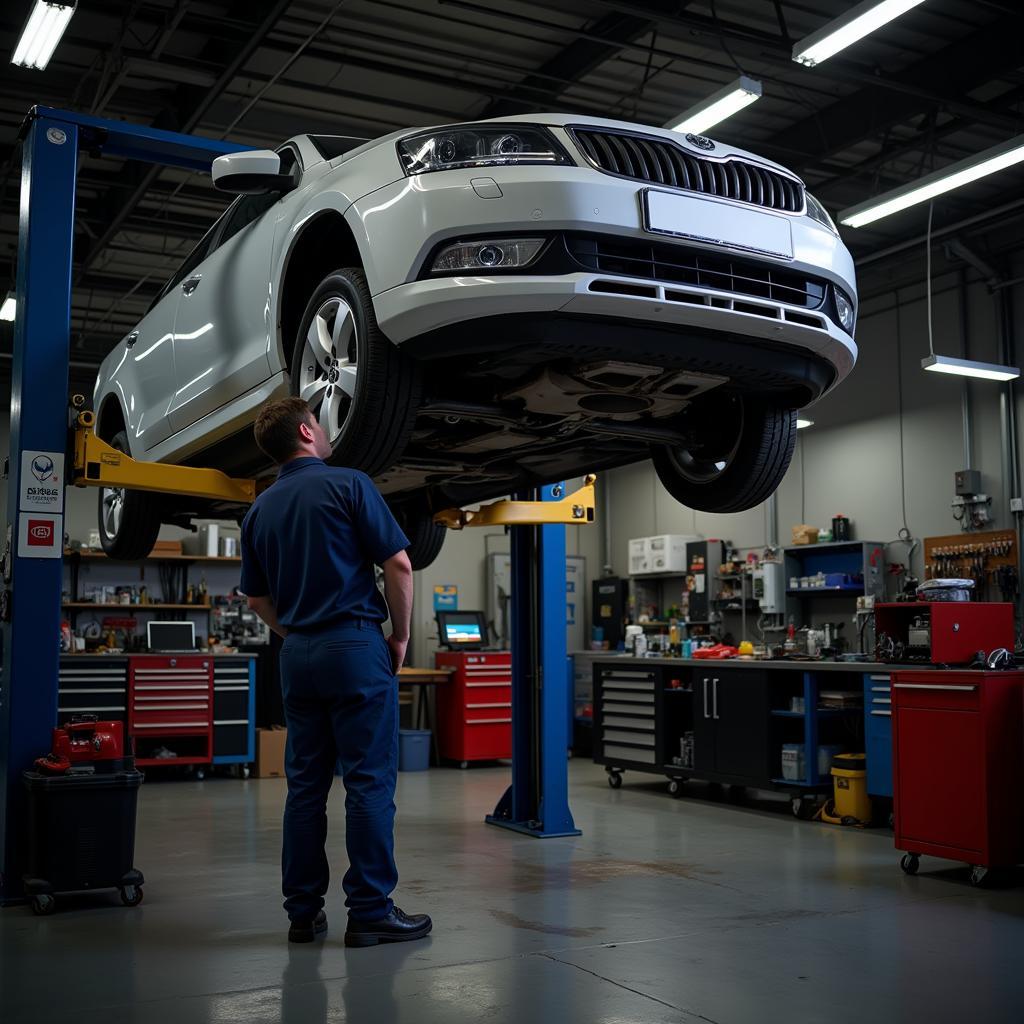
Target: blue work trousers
{"points": [[340, 704]]}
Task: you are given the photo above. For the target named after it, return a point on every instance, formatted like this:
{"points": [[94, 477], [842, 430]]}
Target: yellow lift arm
{"points": [[572, 510], [98, 464]]}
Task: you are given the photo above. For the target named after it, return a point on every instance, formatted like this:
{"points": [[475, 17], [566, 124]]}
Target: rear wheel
{"points": [[360, 386], [426, 538], [129, 520], [740, 463]]}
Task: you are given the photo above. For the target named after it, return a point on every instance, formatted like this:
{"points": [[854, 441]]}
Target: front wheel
{"points": [[363, 390], [426, 538], [742, 460], [129, 520]]}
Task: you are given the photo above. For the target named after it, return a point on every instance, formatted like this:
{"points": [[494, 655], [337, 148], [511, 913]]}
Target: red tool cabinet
{"points": [[474, 709], [170, 704], [958, 767]]}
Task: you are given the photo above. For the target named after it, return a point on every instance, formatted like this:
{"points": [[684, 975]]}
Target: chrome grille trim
{"points": [[664, 162]]}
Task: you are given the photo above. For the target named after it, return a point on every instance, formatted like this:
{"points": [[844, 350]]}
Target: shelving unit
{"points": [[149, 606]]}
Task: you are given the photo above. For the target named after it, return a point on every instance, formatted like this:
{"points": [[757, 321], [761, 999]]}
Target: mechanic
{"points": [[309, 545]]}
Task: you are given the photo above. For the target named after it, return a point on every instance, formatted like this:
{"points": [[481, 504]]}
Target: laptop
{"points": [[171, 637]]}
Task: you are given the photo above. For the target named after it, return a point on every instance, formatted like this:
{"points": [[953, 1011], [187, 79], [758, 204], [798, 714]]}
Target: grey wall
{"points": [[849, 460]]}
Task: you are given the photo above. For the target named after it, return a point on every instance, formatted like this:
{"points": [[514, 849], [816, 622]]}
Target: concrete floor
{"points": [[664, 910]]}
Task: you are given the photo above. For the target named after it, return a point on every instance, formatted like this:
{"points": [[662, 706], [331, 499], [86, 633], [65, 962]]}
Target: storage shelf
{"points": [[232, 559], [802, 783], [811, 591], [138, 607], [779, 713], [667, 575]]}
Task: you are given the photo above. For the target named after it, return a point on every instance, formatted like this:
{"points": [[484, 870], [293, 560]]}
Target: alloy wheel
{"points": [[113, 509], [327, 377]]}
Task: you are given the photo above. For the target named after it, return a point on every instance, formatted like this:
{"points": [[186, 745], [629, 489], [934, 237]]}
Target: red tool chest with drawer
{"points": [[474, 709], [170, 704], [958, 766]]}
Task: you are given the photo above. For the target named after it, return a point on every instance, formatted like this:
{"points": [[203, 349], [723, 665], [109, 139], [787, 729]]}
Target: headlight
{"points": [[844, 307], [818, 212], [480, 147], [487, 254]]}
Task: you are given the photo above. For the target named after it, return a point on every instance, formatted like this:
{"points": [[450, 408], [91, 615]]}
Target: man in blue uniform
{"points": [[309, 545]]}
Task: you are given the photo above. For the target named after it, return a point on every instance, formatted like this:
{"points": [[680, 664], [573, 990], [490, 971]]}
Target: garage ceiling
{"points": [[942, 82]]}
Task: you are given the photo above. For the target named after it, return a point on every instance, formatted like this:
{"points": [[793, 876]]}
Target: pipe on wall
{"points": [[965, 391]]}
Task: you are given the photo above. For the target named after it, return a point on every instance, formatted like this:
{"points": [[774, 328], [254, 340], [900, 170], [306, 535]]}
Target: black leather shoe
{"points": [[396, 927], [307, 931]]}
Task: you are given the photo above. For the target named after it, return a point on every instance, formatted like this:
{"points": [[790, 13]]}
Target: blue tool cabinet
{"points": [[878, 733]]}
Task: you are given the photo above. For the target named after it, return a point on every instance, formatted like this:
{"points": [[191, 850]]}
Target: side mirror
{"points": [[252, 172]]}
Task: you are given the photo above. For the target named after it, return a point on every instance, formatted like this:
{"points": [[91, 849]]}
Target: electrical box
{"points": [[967, 482], [769, 588]]}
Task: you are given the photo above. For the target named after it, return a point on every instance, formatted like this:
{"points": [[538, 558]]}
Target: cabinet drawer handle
{"points": [[883, 714], [937, 686]]}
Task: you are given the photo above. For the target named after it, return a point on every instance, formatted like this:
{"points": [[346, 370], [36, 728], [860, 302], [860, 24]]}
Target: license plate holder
{"points": [[716, 223]]}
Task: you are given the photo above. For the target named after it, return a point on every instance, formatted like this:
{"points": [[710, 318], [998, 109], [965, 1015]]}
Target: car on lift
{"points": [[476, 309]]}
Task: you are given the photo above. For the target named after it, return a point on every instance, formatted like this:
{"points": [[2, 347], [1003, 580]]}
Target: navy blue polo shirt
{"points": [[311, 540]]}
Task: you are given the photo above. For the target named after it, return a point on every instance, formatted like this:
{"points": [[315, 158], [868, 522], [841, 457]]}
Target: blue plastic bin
{"points": [[413, 750]]}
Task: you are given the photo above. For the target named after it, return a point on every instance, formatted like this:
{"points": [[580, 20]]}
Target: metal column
{"points": [[33, 565], [537, 802]]}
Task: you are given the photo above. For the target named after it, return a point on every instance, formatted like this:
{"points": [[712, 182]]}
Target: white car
{"points": [[476, 309]]}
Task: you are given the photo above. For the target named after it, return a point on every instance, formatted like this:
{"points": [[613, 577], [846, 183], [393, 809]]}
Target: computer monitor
{"points": [[462, 630], [171, 636]]}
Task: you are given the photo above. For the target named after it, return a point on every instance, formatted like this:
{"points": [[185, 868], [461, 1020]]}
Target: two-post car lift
{"points": [[45, 456]]}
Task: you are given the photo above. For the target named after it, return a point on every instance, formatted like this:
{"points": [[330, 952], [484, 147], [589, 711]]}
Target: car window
{"points": [[332, 146], [244, 210]]}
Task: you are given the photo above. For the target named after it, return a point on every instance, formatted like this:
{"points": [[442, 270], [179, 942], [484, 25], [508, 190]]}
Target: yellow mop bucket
{"points": [[850, 803]]}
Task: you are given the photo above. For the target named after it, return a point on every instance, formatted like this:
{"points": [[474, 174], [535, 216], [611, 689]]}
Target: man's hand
{"points": [[397, 648]]}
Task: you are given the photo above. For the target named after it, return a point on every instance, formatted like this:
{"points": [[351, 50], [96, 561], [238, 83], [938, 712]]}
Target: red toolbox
{"points": [[170, 705], [958, 767], [474, 709]]}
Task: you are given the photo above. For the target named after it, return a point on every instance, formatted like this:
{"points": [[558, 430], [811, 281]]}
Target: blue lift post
{"points": [[32, 573], [537, 802]]}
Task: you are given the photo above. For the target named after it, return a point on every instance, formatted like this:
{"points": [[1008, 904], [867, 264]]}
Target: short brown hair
{"points": [[277, 427]]}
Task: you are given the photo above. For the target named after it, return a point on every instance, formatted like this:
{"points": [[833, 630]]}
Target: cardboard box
{"points": [[270, 752], [804, 534]]}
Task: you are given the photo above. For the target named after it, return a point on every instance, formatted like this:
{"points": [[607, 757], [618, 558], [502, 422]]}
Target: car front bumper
{"points": [[400, 226]]}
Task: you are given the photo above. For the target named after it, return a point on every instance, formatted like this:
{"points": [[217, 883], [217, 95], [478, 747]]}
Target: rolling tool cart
{"points": [[958, 760], [81, 816]]}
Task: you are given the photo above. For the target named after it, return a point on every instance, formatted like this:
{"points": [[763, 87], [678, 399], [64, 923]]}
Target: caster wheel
{"points": [[131, 895], [980, 876], [675, 787], [43, 905], [463, 765], [909, 862], [615, 780], [246, 771], [797, 806], [200, 774]]}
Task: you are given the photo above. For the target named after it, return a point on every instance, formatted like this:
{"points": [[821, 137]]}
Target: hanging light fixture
{"points": [[42, 32], [717, 107]]}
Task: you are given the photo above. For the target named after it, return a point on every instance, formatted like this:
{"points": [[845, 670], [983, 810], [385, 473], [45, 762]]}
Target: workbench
{"points": [[727, 721]]}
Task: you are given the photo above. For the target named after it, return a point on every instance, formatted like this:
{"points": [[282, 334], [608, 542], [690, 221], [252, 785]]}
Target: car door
{"points": [[145, 375], [224, 322]]}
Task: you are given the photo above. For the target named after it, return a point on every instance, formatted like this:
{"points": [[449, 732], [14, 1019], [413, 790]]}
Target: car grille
{"points": [[677, 264], [661, 162]]}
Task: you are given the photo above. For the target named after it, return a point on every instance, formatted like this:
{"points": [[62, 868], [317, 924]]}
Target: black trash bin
{"points": [[81, 835]]}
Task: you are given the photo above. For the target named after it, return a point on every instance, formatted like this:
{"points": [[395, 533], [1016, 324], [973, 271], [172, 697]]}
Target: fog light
{"points": [[845, 310], [490, 254]]}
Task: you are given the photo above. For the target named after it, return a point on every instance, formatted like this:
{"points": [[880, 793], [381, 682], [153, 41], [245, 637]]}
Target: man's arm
{"points": [[264, 608], [398, 594]]}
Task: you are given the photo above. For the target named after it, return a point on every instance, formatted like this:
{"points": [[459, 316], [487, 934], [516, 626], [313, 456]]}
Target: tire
{"points": [[360, 386], [129, 521], [615, 780], [744, 473], [43, 905], [426, 538], [909, 863]]}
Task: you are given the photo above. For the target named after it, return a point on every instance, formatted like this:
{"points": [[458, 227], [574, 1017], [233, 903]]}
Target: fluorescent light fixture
{"points": [[42, 32], [969, 368], [718, 106], [8, 308], [859, 21], [963, 172], [802, 424]]}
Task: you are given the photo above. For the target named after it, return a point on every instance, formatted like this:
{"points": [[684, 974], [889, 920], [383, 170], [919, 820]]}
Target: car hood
{"points": [[720, 151]]}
